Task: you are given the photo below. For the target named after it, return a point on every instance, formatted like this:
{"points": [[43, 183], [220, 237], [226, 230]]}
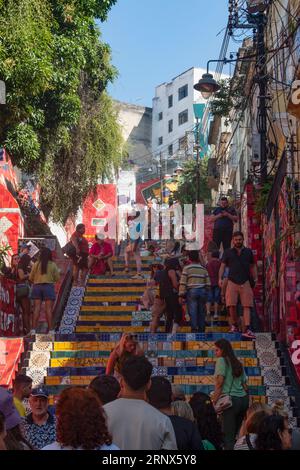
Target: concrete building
{"points": [[136, 123], [174, 119]]}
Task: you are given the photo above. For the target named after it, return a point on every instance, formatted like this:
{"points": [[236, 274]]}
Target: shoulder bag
{"points": [[224, 401]]}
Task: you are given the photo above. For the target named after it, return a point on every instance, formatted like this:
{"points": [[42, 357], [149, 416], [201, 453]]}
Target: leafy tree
{"points": [[58, 123], [229, 97], [187, 185]]}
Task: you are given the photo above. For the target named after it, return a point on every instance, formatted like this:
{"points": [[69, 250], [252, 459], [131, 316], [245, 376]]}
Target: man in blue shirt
{"points": [[224, 218]]}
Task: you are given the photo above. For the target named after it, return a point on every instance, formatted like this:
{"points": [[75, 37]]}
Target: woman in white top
{"points": [[80, 422]]}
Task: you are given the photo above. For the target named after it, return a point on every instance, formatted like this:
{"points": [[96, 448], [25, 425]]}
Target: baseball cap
{"points": [[7, 407], [40, 392]]}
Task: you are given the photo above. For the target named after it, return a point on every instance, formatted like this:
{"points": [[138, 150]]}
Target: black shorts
{"points": [[80, 261], [174, 308]]}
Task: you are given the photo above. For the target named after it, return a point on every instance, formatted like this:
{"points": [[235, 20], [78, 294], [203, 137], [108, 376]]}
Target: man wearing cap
{"points": [[100, 256], [25, 262], [39, 427], [224, 217]]}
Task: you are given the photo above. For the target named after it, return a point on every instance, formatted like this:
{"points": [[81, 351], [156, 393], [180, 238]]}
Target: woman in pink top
{"points": [[100, 256]]}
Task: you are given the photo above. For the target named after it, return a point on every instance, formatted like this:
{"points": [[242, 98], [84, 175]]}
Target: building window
{"points": [[160, 141], [160, 116], [170, 150], [170, 125], [182, 92], [170, 101], [182, 143], [183, 117]]}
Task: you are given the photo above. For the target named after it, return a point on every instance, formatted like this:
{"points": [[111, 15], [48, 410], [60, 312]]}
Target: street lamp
{"points": [[207, 85]]}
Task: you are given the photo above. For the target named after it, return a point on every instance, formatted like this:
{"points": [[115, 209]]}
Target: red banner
{"points": [[10, 355], [99, 212], [9, 315]]}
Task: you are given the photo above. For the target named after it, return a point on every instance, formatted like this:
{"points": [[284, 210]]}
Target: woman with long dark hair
{"points": [[17, 273], [274, 434], [207, 421], [230, 379], [44, 275]]}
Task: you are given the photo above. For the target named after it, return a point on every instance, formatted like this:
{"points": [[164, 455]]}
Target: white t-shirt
{"points": [[136, 425], [57, 446]]}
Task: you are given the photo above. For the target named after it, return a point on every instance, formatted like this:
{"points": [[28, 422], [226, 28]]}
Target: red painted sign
{"points": [[10, 355], [9, 315], [99, 212]]}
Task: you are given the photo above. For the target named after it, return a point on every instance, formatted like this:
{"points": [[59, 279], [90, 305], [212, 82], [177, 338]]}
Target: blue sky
{"points": [[152, 41]]}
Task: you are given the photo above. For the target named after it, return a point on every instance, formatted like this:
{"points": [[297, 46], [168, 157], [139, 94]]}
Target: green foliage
{"points": [[4, 252], [58, 123], [229, 97], [187, 185], [91, 153], [261, 198]]}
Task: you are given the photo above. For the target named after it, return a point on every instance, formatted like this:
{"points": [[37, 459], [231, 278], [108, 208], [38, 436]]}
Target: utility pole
{"points": [[262, 107], [160, 177], [197, 161]]}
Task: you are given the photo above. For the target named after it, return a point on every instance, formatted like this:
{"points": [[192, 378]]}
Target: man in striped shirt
{"points": [[194, 284]]}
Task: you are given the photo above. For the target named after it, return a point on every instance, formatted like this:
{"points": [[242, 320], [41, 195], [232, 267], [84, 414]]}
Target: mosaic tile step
{"points": [[119, 282], [207, 370], [98, 321], [85, 380], [119, 320], [119, 317], [119, 270], [113, 298], [135, 329], [133, 302], [116, 290], [181, 354], [117, 278], [102, 308], [91, 361], [189, 389], [164, 337]]}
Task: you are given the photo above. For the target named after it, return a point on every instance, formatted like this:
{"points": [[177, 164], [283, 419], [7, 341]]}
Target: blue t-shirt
{"points": [[224, 222]]}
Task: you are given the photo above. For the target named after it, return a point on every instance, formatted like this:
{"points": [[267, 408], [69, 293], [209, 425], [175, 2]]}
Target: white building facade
{"points": [[173, 119]]}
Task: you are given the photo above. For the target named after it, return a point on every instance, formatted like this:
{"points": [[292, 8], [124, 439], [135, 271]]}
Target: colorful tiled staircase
{"points": [[96, 316]]}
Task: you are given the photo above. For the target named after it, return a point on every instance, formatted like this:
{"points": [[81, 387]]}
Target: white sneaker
{"points": [[138, 276], [249, 334]]}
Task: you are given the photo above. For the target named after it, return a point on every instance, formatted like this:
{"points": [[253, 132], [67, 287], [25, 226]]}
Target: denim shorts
{"points": [[43, 292], [214, 295]]}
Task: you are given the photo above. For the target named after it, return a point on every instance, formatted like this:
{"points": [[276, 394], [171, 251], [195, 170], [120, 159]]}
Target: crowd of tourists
{"points": [[128, 408], [134, 410]]}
